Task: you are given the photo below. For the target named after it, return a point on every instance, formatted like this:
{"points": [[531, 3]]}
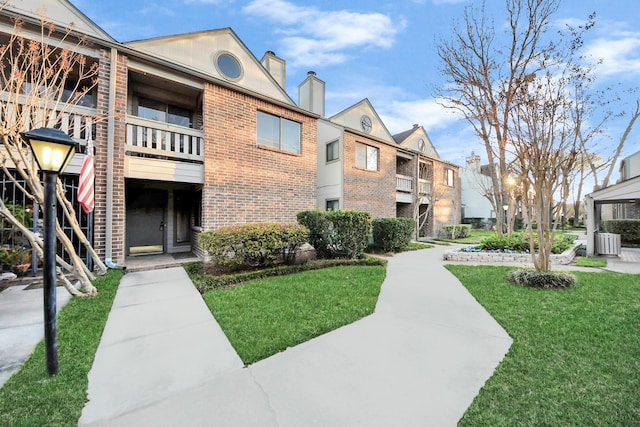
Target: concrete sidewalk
{"points": [[420, 359], [22, 324]]}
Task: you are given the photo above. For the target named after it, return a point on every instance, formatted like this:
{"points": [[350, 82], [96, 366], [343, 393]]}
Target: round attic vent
{"points": [[228, 65]]}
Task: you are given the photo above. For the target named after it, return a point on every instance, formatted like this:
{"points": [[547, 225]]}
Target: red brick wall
{"points": [[245, 182], [118, 207], [365, 190]]}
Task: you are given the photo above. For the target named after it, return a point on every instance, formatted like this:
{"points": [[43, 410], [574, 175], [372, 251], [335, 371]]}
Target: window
{"points": [[367, 157], [229, 66], [449, 176], [332, 151], [332, 205], [278, 132], [157, 110]]}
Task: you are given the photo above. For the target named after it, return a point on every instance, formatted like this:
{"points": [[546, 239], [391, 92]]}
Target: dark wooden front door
{"points": [[146, 220]]}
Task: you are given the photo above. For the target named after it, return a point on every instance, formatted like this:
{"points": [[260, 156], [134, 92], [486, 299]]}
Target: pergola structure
{"points": [[624, 192]]}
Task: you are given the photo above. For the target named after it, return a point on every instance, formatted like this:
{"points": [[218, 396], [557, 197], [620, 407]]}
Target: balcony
{"points": [[163, 140], [424, 186], [162, 151], [404, 183]]}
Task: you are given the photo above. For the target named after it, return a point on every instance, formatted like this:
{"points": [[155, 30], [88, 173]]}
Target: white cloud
{"points": [[313, 37], [618, 54]]}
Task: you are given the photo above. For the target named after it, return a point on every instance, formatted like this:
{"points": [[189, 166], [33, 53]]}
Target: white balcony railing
{"points": [[75, 121], [159, 139], [424, 186], [404, 183]]}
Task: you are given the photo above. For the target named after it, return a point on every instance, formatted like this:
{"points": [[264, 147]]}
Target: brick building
{"points": [[193, 132]]}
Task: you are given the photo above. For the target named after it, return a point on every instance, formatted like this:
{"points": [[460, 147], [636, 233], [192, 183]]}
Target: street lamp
{"points": [[52, 150], [505, 208]]}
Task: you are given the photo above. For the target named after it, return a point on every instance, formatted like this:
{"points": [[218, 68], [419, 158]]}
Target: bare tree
{"points": [[44, 80], [485, 74], [545, 138]]}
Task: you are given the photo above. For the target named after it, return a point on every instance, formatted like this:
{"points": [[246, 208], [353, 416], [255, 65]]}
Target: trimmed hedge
{"points": [[393, 234], [255, 245], [541, 279], [457, 231], [628, 229], [337, 234], [519, 242], [476, 223]]}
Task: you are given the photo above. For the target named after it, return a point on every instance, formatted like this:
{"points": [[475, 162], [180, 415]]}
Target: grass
{"points": [[264, 317], [31, 397], [575, 359], [475, 237], [590, 262]]}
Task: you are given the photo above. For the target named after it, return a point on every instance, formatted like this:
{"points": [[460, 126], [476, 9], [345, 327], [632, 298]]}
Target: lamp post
{"points": [[505, 208], [52, 150]]}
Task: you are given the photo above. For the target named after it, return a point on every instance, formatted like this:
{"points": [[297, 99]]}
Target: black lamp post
{"points": [[52, 150]]}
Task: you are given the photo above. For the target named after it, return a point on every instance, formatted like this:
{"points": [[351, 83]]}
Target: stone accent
{"points": [[493, 257]]}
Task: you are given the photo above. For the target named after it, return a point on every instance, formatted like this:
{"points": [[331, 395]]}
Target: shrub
{"points": [[519, 242], [457, 231], [476, 223], [320, 231], [628, 229], [256, 245], [393, 234], [337, 234], [541, 279]]}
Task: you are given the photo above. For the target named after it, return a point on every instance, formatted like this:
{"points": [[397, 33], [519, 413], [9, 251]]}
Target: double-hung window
{"points": [[332, 151], [367, 157], [279, 133]]}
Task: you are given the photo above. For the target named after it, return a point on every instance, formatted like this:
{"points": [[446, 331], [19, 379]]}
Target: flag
{"points": [[87, 176]]}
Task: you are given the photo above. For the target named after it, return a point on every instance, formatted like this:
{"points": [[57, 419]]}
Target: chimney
{"points": [[311, 94], [473, 162], [277, 67]]}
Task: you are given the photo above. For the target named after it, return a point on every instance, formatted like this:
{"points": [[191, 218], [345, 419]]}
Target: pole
{"points": [[49, 272]]}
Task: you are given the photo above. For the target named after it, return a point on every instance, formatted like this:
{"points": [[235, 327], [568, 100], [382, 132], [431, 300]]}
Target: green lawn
{"points": [[264, 317], [575, 360], [590, 262], [31, 397]]}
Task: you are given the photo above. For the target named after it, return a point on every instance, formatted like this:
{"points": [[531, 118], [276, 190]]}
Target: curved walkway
{"points": [[420, 359]]}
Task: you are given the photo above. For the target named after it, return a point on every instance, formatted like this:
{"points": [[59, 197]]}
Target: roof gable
{"points": [[354, 116], [418, 140], [60, 12], [199, 51]]}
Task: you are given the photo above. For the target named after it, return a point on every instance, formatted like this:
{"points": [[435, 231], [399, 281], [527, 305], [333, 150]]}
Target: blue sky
{"points": [[381, 50]]}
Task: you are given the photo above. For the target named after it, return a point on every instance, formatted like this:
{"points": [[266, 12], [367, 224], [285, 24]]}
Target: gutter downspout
{"points": [[110, 150]]}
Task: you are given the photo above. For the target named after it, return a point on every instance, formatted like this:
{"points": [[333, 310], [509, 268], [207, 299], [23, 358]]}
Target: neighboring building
{"points": [[618, 201], [629, 169], [475, 184], [193, 132], [434, 184]]}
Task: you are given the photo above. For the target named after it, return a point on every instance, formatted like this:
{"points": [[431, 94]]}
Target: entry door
{"points": [[146, 220]]}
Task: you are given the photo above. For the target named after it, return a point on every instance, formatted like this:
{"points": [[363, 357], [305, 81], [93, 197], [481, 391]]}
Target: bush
{"points": [[541, 279], [476, 223], [457, 231], [337, 234], [519, 242], [255, 245], [393, 234], [628, 229]]}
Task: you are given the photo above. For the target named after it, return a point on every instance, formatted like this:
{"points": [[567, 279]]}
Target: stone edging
{"points": [[564, 258]]}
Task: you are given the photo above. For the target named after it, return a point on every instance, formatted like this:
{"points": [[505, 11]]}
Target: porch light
{"points": [[52, 150]]}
